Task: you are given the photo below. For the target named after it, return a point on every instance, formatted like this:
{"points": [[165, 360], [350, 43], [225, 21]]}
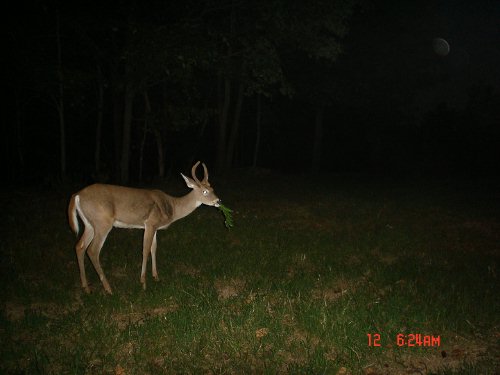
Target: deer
{"points": [[102, 207]]}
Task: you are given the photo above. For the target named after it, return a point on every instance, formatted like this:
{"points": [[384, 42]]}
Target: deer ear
{"points": [[190, 183]]}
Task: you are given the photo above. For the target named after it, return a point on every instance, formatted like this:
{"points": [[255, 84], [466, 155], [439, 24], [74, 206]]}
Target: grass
{"points": [[307, 272]]}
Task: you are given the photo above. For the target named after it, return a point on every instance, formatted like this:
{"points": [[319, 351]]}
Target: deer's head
{"points": [[202, 189]]}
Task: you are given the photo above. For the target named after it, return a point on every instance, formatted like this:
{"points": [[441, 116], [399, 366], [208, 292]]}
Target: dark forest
{"points": [[131, 91]]}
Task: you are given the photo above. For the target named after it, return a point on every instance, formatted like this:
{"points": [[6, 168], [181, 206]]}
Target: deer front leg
{"points": [[149, 235]]}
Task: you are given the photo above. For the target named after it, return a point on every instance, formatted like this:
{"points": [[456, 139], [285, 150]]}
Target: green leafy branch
{"points": [[228, 222]]}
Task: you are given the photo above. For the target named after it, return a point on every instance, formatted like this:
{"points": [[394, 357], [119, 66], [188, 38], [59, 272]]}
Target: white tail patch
{"points": [[81, 214], [74, 216]]}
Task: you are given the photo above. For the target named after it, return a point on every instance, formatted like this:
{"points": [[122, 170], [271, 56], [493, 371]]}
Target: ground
{"points": [[311, 272]]}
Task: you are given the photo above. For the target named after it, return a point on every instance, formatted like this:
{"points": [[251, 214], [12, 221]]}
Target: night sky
{"points": [[382, 93]]}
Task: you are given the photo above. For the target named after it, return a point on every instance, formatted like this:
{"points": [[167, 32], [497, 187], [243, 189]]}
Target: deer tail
{"points": [[74, 203]]}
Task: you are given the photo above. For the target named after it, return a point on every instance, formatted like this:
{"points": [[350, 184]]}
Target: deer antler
{"points": [[193, 172], [205, 175]]}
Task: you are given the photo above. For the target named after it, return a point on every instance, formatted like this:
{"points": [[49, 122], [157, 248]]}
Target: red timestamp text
{"points": [[407, 340]]}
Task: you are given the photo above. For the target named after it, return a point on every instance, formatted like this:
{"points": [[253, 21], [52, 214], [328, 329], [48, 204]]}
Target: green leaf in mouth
{"points": [[227, 216]]}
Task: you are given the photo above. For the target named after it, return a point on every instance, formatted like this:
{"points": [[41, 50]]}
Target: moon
{"points": [[440, 46]]}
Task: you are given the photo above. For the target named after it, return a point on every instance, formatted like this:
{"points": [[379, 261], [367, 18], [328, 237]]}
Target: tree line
{"points": [[160, 66]]}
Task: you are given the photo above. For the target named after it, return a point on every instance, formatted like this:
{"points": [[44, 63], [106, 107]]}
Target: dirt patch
{"points": [[261, 332], [233, 241], [229, 288], [300, 264], [290, 359], [334, 290], [301, 218], [485, 228], [354, 260], [298, 346], [328, 294], [185, 269], [123, 320], [302, 338], [289, 320], [14, 312], [53, 310], [120, 272], [386, 259]]}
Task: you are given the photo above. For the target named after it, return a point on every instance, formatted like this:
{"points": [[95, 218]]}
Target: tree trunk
{"points": [[117, 128], [318, 140], [127, 128], [161, 153], [100, 115], [258, 126], [145, 129], [224, 95], [19, 131], [60, 100], [199, 139], [233, 136], [141, 150], [158, 134], [62, 132]]}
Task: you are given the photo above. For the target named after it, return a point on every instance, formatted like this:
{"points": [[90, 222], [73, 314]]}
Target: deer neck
{"points": [[185, 205]]}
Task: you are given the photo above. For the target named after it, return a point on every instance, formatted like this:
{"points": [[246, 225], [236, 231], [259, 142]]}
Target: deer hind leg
{"points": [[153, 259], [149, 239], [101, 232], [81, 248]]}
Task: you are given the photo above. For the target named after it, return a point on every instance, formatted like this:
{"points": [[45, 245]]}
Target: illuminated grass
{"points": [[296, 286]]}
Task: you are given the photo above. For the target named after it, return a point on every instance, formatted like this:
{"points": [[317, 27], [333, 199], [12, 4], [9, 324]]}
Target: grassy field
{"points": [[318, 276]]}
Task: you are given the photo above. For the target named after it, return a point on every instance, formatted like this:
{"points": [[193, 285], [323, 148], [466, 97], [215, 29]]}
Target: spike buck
{"points": [[102, 207]]}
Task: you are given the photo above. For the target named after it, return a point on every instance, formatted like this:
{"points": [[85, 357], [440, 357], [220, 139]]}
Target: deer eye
{"points": [[205, 192]]}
